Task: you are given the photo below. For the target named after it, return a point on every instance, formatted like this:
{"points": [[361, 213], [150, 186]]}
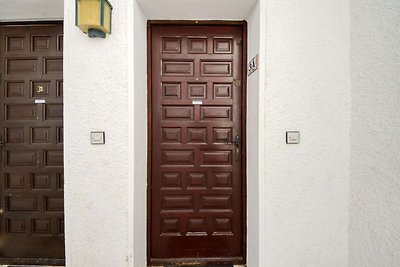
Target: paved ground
{"points": [[29, 266]]}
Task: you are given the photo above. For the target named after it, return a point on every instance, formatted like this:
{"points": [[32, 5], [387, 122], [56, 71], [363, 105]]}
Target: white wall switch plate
{"points": [[292, 137], [97, 138]]}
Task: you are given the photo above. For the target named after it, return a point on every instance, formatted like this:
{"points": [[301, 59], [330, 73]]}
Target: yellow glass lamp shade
{"points": [[93, 17]]}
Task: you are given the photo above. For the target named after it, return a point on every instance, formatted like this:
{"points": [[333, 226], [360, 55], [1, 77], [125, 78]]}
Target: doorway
{"points": [[197, 146], [31, 143]]}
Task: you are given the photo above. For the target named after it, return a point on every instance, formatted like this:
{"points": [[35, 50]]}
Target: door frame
{"points": [[35, 261], [243, 24]]}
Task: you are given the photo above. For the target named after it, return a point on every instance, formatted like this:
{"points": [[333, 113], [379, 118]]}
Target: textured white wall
{"points": [[20, 10], [98, 75], [140, 118], [197, 9], [375, 165], [253, 135], [307, 89]]}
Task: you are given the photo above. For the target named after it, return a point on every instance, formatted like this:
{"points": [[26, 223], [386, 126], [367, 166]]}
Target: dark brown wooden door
{"points": [[31, 132], [197, 181]]}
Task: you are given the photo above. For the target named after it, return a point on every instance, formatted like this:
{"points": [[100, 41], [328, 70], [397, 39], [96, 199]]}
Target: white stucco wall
{"points": [[253, 137], [197, 9], [307, 89], [98, 78], [375, 164], [32, 10], [139, 116]]}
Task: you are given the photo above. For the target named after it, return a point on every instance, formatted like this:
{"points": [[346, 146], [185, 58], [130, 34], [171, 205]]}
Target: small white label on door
{"points": [[40, 101], [197, 102]]}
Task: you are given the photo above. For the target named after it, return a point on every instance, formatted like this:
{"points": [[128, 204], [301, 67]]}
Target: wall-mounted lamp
{"points": [[93, 17]]}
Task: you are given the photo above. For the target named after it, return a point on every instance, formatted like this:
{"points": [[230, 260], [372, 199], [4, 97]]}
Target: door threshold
{"points": [[194, 265]]}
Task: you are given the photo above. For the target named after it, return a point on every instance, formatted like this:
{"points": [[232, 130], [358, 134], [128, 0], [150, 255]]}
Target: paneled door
{"points": [[31, 143], [197, 181]]}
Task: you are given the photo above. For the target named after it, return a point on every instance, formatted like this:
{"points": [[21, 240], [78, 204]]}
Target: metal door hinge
{"points": [[239, 42], [237, 82]]}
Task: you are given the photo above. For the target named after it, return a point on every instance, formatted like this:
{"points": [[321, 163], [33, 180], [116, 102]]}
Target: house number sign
{"points": [[253, 65]]}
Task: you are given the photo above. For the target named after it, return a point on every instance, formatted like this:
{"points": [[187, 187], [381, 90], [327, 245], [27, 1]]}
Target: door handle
{"points": [[237, 145], [236, 142], [1, 149]]}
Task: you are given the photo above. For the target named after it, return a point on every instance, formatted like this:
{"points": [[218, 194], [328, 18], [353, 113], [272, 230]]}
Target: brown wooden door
{"points": [[197, 192], [31, 132]]}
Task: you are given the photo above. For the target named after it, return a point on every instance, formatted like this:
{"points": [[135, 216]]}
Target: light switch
{"points": [[292, 137], [97, 138]]}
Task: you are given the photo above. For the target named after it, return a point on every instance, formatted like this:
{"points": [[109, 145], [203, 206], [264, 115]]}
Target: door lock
{"points": [[237, 141], [1, 148], [237, 145]]}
